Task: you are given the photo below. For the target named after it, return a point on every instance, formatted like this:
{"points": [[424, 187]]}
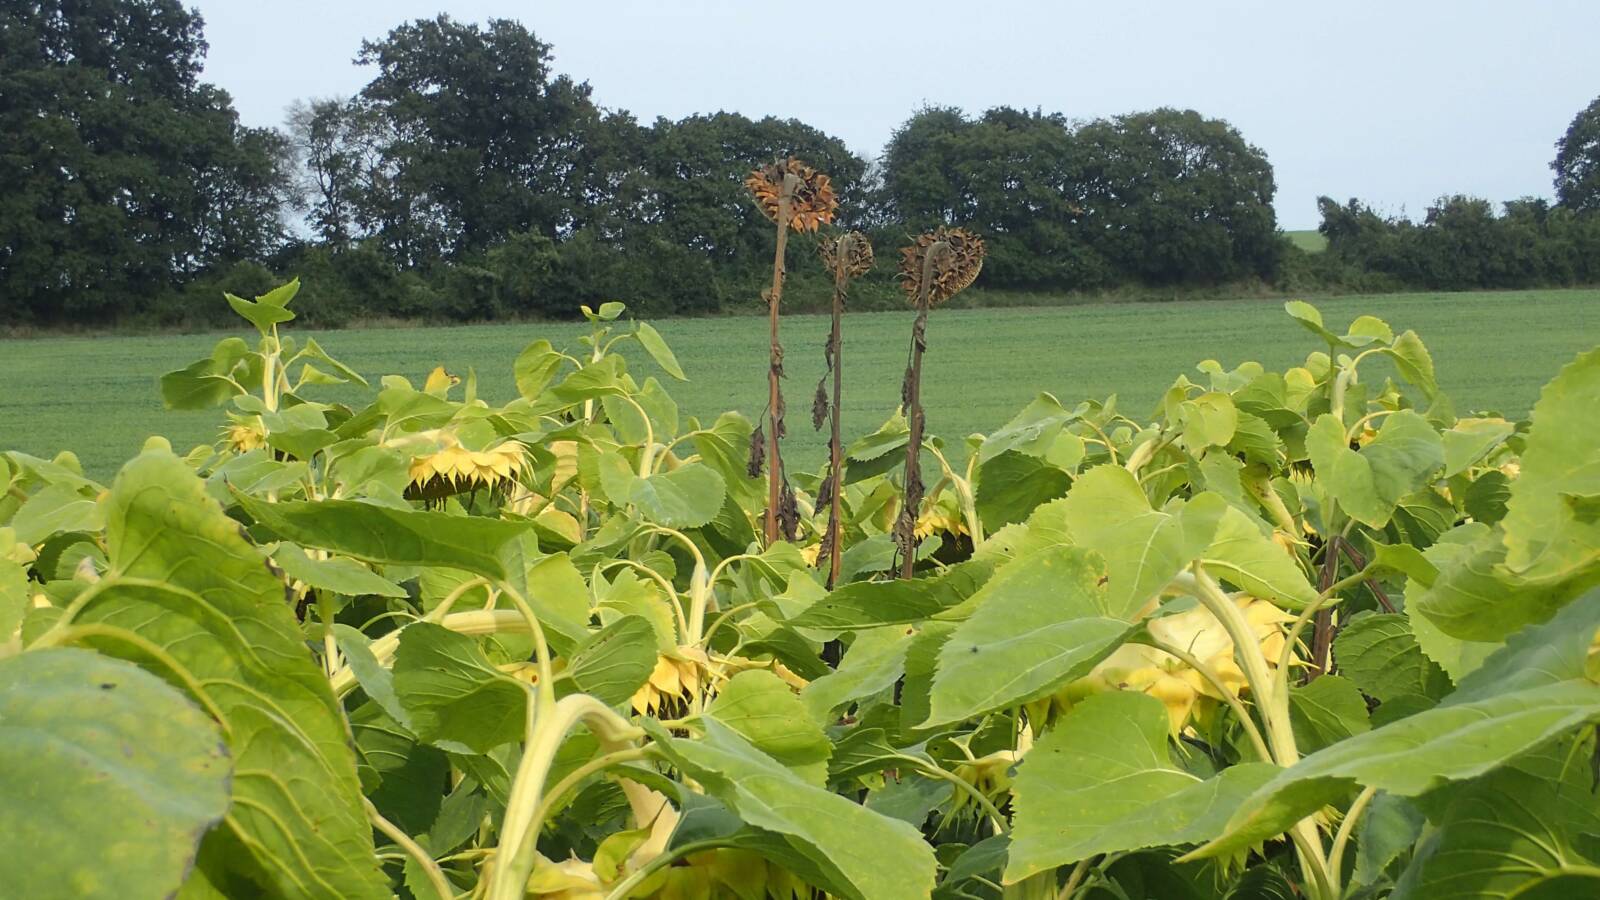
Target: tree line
{"points": [[468, 180]]}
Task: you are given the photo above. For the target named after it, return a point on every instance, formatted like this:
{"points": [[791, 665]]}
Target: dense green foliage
{"points": [[1300, 632], [125, 176], [469, 181], [1461, 244], [1577, 162]]}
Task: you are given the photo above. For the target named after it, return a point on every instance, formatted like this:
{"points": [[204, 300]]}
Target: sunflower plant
{"points": [[1314, 632]]}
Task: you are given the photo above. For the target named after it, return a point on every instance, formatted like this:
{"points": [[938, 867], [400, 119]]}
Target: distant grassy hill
{"points": [[1310, 240]]}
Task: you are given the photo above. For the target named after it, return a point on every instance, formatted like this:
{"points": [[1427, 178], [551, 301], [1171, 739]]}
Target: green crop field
{"points": [[98, 397], [1309, 240]]}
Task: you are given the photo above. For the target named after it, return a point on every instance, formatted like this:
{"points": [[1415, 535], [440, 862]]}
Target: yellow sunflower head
{"points": [[723, 873], [454, 469], [940, 516], [243, 435], [948, 259], [810, 553], [811, 198], [677, 679], [1182, 690], [855, 249]]}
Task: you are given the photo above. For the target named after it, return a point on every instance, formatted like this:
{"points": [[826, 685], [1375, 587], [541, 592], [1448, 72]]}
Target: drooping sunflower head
{"points": [[454, 469], [943, 515], [857, 251], [949, 259], [811, 198], [678, 678]]}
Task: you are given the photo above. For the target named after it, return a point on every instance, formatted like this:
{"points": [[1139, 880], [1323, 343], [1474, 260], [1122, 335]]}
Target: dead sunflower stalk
{"points": [[792, 195], [938, 265], [848, 257]]}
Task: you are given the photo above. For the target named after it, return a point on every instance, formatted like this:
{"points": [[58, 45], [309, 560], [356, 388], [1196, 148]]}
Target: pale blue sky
{"points": [[1395, 102]]}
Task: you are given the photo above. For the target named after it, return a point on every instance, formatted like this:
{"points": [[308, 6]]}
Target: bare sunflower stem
{"points": [[906, 528], [775, 364], [834, 540]]}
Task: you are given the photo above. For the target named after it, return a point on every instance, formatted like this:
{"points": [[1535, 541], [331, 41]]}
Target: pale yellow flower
{"points": [[243, 436], [675, 681], [454, 469], [1142, 668]]}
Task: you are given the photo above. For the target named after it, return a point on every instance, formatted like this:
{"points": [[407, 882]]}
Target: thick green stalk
{"points": [[1273, 705], [548, 727]]}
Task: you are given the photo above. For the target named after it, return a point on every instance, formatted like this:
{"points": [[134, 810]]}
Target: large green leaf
{"points": [[875, 661], [1208, 420], [110, 777], [1389, 828], [54, 509], [1553, 519], [535, 367], [1041, 621], [341, 576], [1469, 440], [1325, 711], [1102, 781], [1473, 597], [1012, 484], [871, 604], [1531, 691], [1031, 432], [266, 311], [1380, 654], [763, 709], [382, 534], [686, 497], [613, 662], [725, 447], [1510, 834], [207, 598], [454, 697], [1241, 554], [1369, 483], [13, 596], [877, 857], [1311, 319], [202, 384], [654, 345], [1107, 512], [1413, 361]]}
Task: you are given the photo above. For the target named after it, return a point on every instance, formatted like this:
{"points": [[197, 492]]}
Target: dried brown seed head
{"points": [[857, 254], [951, 259], [812, 203]]}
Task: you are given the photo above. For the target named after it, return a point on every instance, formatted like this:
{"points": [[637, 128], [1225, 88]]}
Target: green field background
{"points": [[98, 397]]}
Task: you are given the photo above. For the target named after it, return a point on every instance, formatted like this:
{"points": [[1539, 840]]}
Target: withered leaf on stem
{"points": [[819, 405], [788, 512], [825, 550], [758, 453], [825, 490]]}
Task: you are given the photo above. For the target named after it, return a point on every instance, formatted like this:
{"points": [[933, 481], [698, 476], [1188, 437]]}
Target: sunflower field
{"points": [[1303, 633]]}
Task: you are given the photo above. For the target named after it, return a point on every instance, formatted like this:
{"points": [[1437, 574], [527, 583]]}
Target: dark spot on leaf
{"points": [[106, 686]]}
